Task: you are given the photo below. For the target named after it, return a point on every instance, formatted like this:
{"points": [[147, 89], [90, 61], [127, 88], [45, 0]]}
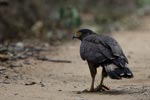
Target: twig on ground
{"points": [[53, 60]]}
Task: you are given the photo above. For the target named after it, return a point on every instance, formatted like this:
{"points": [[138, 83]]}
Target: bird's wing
{"points": [[111, 48], [114, 46], [94, 52]]}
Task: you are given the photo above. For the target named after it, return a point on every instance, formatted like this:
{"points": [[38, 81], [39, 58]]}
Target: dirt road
{"points": [[42, 80]]}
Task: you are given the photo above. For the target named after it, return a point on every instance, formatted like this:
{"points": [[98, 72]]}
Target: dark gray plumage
{"points": [[101, 50]]}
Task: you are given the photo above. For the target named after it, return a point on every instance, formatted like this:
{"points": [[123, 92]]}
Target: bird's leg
{"points": [[92, 84], [101, 86], [93, 72]]}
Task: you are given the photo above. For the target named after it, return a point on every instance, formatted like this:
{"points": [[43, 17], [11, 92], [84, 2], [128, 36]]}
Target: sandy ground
{"points": [[42, 80]]}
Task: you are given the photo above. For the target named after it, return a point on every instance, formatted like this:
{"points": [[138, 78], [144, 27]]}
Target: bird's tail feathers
{"points": [[116, 72]]}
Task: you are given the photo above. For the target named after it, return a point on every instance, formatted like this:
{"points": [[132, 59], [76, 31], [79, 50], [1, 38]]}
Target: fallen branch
{"points": [[53, 60], [3, 82]]}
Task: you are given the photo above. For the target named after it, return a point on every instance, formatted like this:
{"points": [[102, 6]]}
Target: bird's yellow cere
{"points": [[78, 34]]}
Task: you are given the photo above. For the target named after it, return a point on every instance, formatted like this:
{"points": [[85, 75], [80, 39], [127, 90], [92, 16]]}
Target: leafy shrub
{"points": [[142, 3]]}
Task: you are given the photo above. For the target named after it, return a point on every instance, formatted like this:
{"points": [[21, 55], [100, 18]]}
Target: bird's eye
{"points": [[78, 34]]}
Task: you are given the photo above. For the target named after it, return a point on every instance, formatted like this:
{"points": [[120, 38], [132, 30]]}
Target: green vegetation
{"points": [[55, 20], [142, 3]]}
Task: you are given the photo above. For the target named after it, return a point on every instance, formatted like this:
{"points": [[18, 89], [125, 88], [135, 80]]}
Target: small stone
{"points": [[81, 98], [29, 53], [27, 63], [15, 65], [30, 83], [148, 76], [79, 92], [7, 77], [42, 84], [129, 56], [64, 81], [75, 86], [16, 94], [19, 46], [2, 68]]}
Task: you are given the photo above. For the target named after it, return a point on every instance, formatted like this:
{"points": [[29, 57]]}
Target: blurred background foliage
{"points": [[51, 20]]}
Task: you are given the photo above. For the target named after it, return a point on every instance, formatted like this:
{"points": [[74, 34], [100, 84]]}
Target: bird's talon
{"points": [[99, 89], [107, 88], [102, 88]]}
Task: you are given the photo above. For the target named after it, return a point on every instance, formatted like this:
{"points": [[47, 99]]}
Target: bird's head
{"points": [[80, 34]]}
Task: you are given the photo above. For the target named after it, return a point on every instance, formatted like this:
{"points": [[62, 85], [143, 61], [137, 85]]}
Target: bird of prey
{"points": [[104, 51]]}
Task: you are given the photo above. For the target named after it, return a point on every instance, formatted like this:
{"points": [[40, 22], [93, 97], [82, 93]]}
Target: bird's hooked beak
{"points": [[74, 36]]}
